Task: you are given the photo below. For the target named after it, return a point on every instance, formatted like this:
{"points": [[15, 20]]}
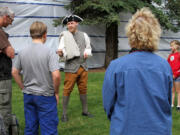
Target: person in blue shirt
{"points": [[137, 87]]}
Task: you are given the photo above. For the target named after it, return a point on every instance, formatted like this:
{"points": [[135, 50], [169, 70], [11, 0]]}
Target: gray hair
{"points": [[5, 11]]}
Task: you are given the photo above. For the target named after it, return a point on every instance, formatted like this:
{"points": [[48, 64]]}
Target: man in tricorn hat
{"points": [[75, 48]]}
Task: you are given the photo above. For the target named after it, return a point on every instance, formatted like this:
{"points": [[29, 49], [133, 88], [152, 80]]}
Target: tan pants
{"points": [[80, 77], [5, 102]]}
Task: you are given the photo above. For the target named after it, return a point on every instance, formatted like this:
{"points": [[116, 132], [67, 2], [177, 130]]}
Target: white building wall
{"points": [[28, 11]]}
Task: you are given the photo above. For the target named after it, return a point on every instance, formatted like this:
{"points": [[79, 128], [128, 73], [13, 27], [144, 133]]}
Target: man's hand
{"points": [[17, 77], [9, 51], [85, 56], [57, 98], [59, 52], [0, 51]]}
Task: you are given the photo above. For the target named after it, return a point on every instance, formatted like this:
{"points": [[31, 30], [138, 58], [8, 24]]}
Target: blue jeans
{"points": [[40, 110]]}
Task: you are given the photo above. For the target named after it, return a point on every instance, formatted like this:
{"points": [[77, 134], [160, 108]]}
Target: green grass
{"points": [[77, 124], [176, 121]]}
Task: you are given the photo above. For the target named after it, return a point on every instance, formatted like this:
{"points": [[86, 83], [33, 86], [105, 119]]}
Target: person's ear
{"points": [[44, 37]]}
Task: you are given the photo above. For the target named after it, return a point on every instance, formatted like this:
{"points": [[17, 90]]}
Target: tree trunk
{"points": [[111, 43]]}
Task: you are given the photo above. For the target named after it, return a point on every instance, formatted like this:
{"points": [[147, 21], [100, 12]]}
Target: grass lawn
{"points": [[77, 124]]}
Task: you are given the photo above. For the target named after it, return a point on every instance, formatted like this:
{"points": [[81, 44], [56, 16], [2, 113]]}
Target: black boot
{"points": [[85, 112], [64, 117]]}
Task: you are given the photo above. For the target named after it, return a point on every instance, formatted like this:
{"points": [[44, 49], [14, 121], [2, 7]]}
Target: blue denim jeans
{"points": [[40, 111]]}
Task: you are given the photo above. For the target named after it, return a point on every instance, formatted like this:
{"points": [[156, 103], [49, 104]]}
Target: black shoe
{"points": [[87, 115], [64, 118], [178, 109]]}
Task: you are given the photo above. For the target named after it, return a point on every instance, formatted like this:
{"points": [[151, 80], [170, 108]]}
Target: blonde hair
{"points": [[143, 30], [176, 43], [37, 30]]}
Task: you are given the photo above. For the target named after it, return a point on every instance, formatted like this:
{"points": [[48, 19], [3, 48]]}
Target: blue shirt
{"points": [[137, 95]]}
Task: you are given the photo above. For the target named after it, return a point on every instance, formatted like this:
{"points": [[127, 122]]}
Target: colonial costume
{"points": [[74, 46]]}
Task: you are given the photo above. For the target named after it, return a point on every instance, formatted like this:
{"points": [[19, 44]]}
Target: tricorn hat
{"points": [[71, 18]]}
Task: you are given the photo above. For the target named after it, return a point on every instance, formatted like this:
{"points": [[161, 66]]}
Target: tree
{"points": [[107, 12], [173, 10]]}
